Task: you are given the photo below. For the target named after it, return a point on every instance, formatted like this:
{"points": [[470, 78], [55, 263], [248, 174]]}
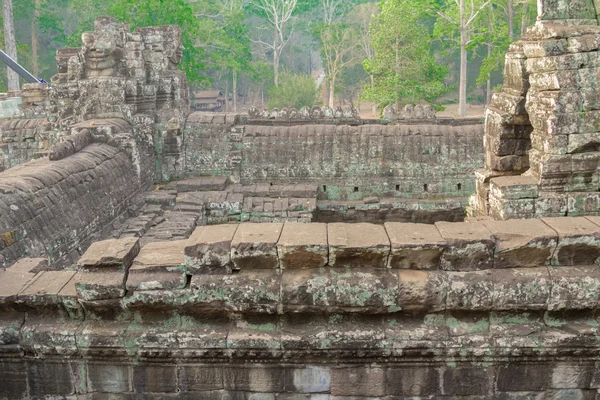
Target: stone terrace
{"points": [[465, 310]]}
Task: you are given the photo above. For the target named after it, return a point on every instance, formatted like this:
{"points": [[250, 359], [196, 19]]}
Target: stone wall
{"points": [[542, 147], [55, 208], [464, 311], [431, 159]]}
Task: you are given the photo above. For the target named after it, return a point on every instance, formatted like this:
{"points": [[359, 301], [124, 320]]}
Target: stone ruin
{"points": [[542, 142], [110, 290], [305, 113], [409, 112]]}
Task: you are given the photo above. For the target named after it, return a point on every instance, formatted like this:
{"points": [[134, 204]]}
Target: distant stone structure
{"points": [[542, 143], [409, 112]]}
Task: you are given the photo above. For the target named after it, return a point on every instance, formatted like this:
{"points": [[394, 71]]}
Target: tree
{"points": [[229, 51], [458, 17], [10, 42], [279, 14], [339, 49], [403, 68], [294, 91], [360, 19]]}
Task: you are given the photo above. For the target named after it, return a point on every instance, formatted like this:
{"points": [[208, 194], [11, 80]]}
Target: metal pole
{"points": [[12, 64]]}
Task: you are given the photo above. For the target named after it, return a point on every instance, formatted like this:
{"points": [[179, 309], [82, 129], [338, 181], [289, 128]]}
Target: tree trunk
{"points": [[524, 20], [227, 96], [488, 93], [332, 92], [462, 96], [235, 91], [276, 64], [10, 42], [373, 106], [511, 20], [35, 64]]}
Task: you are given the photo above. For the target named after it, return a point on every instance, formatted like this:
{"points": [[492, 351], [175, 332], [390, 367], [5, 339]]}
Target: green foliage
{"points": [[294, 91], [404, 69]]}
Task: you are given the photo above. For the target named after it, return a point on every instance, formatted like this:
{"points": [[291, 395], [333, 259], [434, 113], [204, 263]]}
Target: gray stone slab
{"points": [[358, 246], [414, 246], [254, 246], [303, 246], [208, 250]]}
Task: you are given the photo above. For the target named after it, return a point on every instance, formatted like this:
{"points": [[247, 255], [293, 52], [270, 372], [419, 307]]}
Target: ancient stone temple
{"points": [[150, 253], [542, 142]]}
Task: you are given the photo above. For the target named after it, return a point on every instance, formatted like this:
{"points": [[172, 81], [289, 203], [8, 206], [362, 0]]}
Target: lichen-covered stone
{"points": [[254, 246], [358, 246], [248, 291], [578, 241], [374, 290], [44, 288], [160, 257], [519, 244], [576, 288], [415, 246], [521, 289], [470, 246], [92, 286], [303, 246], [307, 290], [208, 250], [422, 290], [110, 255], [472, 291]]}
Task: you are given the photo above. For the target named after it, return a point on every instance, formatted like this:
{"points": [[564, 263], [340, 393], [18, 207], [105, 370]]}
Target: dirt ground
{"points": [[473, 111]]}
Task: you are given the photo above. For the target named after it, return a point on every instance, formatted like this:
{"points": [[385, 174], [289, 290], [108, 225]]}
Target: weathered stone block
{"points": [[92, 286], [519, 244], [415, 246], [468, 381], [521, 289], [303, 246], [422, 290], [470, 246], [256, 378], [308, 289], [578, 241], [413, 381], [470, 291], [574, 288], [154, 378], [523, 377], [11, 284], [14, 378], [45, 287], [208, 250], [109, 377], [310, 379], [248, 291], [160, 257], [170, 280], [503, 209], [55, 378], [29, 265], [358, 381], [200, 378], [110, 255], [254, 246], [373, 289], [358, 246], [514, 187], [571, 376]]}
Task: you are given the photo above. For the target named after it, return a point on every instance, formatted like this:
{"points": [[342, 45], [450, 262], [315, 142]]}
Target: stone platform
{"points": [[477, 310]]}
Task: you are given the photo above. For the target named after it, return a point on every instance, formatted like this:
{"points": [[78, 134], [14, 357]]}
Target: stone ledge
{"points": [[315, 291]]}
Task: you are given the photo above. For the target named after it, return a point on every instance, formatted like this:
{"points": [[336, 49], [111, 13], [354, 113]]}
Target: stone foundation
{"points": [[272, 311]]}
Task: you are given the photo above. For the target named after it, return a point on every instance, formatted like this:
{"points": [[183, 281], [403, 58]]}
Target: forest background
{"points": [[294, 53]]}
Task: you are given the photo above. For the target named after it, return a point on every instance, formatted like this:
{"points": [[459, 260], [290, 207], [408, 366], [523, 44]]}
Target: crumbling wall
{"points": [[542, 146], [55, 208], [431, 159]]}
